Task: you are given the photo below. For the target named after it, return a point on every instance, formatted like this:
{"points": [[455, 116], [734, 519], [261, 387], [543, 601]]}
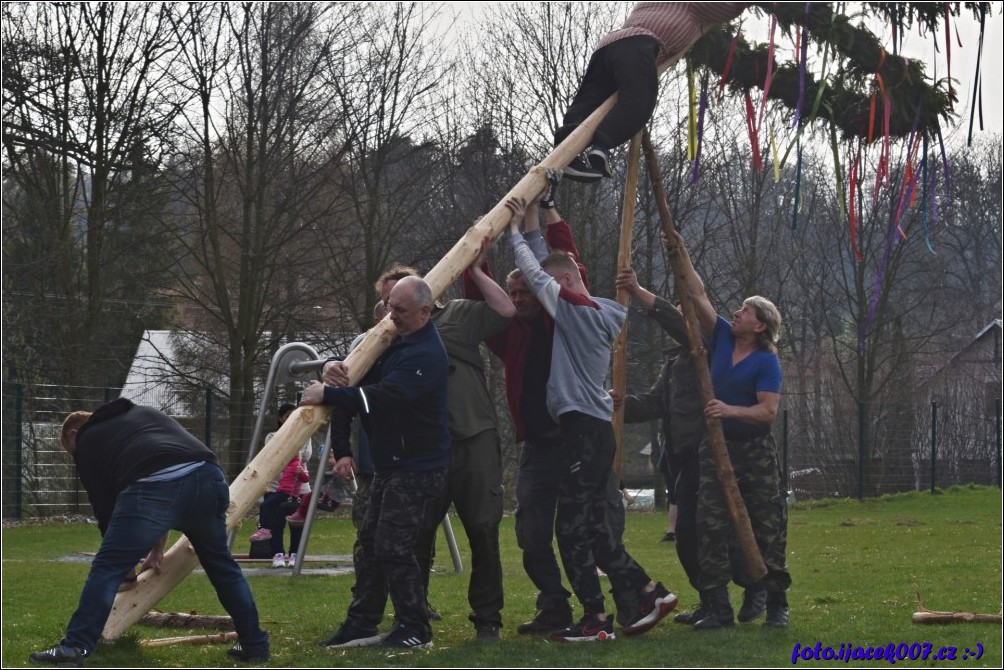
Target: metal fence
{"points": [[859, 454]]}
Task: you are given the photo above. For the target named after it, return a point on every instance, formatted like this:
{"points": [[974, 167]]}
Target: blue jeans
{"points": [[196, 505]]}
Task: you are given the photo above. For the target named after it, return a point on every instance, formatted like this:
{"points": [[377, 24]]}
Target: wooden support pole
{"points": [[212, 638], [623, 261], [180, 559], [716, 438]]}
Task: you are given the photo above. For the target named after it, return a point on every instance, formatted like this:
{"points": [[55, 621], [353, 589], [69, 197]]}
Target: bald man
{"points": [[402, 404]]}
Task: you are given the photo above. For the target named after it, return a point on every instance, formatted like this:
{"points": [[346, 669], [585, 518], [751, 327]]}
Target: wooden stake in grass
{"points": [[212, 638], [716, 438]]}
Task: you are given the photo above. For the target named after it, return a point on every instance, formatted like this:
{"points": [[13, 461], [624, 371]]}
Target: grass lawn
{"points": [[857, 569]]}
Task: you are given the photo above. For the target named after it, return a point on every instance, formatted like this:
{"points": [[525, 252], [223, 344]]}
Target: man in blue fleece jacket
{"points": [[402, 402]]}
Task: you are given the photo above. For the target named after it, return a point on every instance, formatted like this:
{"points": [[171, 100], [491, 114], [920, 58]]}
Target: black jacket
{"points": [[402, 402], [123, 442]]}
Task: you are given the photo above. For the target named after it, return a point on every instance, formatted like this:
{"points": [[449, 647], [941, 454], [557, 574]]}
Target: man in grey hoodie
{"points": [[584, 331]]}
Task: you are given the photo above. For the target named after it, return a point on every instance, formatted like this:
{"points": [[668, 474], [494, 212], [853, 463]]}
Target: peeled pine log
{"points": [[212, 638]]}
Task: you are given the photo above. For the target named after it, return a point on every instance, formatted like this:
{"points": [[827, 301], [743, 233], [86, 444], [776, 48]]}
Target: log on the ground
{"points": [[184, 620], [927, 616], [214, 638], [924, 615]]}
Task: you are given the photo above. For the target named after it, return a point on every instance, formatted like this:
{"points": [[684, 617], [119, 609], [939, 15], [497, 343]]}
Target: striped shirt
{"points": [[676, 25]]}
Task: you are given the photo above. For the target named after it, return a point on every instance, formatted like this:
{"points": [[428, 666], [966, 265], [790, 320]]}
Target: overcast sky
{"points": [[963, 58]]}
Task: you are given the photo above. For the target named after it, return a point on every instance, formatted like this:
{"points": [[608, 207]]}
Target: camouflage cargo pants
{"points": [[758, 476], [396, 507], [582, 525]]}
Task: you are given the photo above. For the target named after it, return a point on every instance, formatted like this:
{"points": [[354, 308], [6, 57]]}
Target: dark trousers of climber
{"points": [[626, 67]]}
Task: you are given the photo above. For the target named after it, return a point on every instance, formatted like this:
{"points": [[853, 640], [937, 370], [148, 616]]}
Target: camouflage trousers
{"points": [[360, 503], [582, 525], [758, 476], [396, 508]]}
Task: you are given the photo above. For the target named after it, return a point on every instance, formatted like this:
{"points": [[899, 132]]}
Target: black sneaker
{"points": [[690, 618], [599, 160], [653, 607], [348, 635], [405, 637], [547, 621], [669, 537], [589, 629], [258, 653], [61, 656], [580, 170], [754, 604]]}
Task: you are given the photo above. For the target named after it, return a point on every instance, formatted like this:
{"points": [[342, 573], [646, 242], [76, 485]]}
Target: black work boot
{"points": [[754, 603], [777, 610], [718, 607]]}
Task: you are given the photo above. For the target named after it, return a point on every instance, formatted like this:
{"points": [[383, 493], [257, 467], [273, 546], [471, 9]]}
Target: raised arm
{"points": [[628, 280], [705, 311], [493, 295]]}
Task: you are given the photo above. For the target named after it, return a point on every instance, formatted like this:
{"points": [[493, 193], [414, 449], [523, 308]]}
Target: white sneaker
{"points": [[279, 561], [292, 560]]}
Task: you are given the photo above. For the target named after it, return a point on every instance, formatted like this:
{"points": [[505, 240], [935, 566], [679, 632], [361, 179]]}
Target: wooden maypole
{"points": [[623, 261], [180, 559], [716, 438]]}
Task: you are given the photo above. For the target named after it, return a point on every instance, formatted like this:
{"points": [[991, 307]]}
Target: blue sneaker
{"points": [[61, 656]]}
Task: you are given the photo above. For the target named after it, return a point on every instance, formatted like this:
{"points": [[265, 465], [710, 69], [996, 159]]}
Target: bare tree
{"points": [[88, 114], [254, 193]]}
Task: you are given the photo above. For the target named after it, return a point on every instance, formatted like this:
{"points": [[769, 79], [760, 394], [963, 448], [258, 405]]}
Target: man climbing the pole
{"points": [[144, 475], [625, 62], [584, 331]]}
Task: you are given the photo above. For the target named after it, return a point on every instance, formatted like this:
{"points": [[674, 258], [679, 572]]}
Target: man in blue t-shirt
{"points": [[746, 377]]}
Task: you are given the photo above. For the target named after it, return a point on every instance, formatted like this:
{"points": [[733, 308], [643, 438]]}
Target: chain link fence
{"points": [[940, 444]]}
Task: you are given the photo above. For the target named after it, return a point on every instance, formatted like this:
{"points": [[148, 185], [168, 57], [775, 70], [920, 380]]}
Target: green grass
{"points": [[857, 567]]}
